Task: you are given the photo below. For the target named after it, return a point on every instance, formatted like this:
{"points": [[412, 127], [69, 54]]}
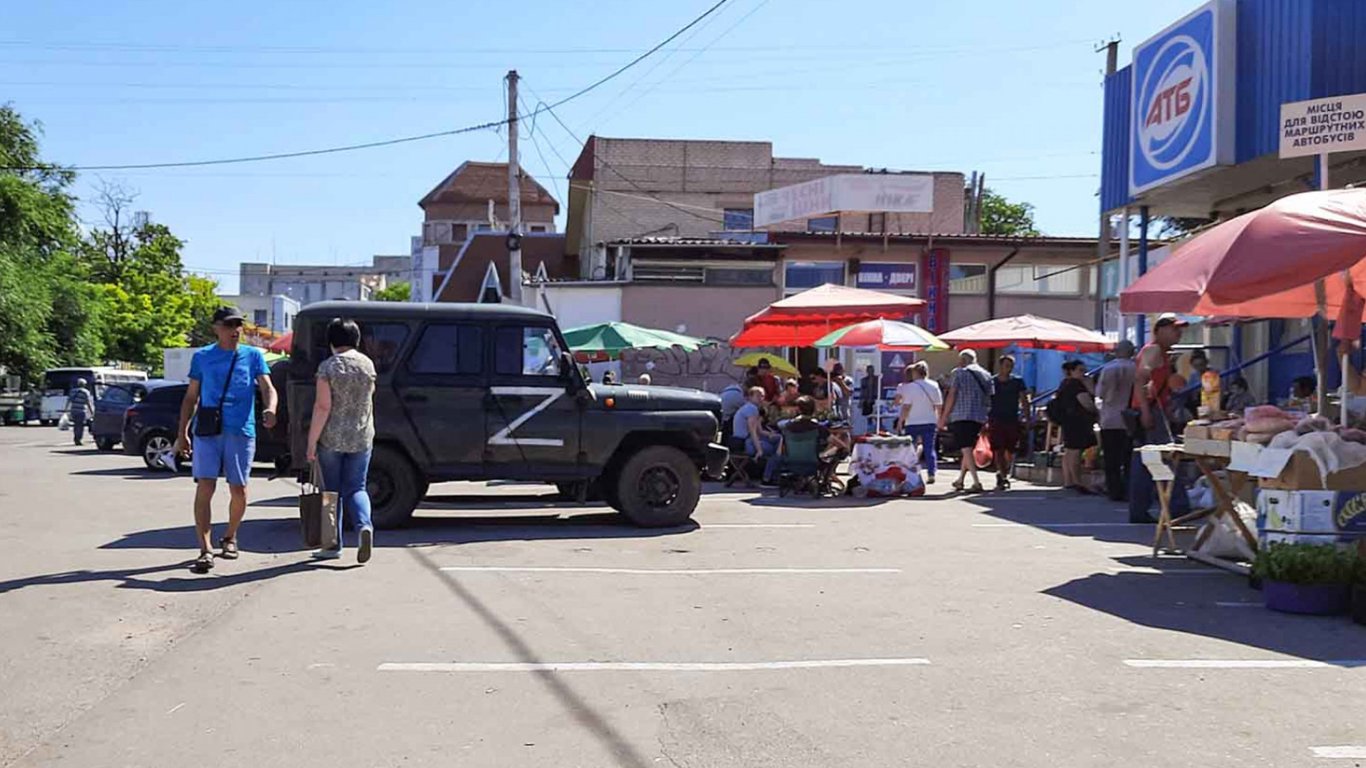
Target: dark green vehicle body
{"points": [[486, 392]]}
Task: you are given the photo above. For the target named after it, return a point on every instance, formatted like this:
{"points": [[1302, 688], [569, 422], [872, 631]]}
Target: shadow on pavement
{"points": [[222, 576], [1186, 604], [139, 471], [1066, 514]]}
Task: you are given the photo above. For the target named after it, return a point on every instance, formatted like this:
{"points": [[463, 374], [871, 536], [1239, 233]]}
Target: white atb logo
{"points": [[506, 436]]}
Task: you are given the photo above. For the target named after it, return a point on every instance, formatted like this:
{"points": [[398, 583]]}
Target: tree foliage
{"points": [[1002, 217], [118, 293], [395, 292]]}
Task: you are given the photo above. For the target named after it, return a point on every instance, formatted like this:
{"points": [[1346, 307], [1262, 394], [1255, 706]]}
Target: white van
{"points": [[57, 382]]}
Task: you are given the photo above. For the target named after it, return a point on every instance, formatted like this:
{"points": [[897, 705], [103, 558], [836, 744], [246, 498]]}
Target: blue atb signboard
{"points": [[1183, 92]]}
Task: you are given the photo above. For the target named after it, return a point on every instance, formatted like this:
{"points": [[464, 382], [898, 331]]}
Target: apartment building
{"points": [[309, 283], [622, 189]]}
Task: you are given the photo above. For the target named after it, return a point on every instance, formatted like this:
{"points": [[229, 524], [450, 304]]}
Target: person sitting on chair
{"points": [[797, 429], [748, 427]]}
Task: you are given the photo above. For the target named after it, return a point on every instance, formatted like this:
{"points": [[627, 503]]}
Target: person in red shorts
{"points": [[1009, 398]]}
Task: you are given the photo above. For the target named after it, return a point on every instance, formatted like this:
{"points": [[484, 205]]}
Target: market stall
{"points": [[1302, 256]]}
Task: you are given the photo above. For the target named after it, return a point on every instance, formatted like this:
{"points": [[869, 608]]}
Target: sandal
{"points": [[958, 486], [976, 488], [203, 564], [229, 547]]}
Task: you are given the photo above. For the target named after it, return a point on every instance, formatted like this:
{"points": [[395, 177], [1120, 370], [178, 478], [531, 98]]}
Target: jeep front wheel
{"points": [[394, 486], [658, 487]]}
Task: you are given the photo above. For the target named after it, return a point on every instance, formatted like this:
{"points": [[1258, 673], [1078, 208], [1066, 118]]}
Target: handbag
{"points": [[208, 421], [318, 512], [982, 453]]}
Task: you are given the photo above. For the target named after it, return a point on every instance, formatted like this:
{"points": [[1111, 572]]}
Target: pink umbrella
{"points": [[1264, 263], [1030, 332]]}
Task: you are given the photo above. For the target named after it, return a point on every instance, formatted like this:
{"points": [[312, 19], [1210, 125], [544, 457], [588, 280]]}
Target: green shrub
{"points": [[1309, 564]]}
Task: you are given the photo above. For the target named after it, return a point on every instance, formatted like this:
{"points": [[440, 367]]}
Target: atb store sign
{"points": [[1183, 99]]}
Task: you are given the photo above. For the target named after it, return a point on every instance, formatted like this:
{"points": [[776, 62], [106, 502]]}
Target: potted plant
{"points": [[1306, 578]]}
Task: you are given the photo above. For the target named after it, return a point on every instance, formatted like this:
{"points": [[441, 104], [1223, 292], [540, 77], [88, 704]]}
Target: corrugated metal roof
{"points": [[944, 237], [711, 242]]}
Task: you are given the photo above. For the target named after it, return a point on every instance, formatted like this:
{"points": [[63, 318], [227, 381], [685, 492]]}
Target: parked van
{"points": [[58, 382]]}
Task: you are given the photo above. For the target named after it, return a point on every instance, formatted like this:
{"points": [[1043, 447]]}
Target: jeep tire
{"points": [[658, 487], [394, 486]]}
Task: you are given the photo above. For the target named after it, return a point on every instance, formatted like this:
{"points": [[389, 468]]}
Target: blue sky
{"points": [[1001, 86]]}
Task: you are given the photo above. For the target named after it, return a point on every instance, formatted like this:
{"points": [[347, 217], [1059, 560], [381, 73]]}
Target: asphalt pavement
{"points": [[503, 628]]}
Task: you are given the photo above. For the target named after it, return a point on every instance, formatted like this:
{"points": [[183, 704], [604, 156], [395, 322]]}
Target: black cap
{"points": [[227, 314]]}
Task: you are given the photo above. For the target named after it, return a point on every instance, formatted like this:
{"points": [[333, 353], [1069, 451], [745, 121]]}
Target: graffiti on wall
{"points": [[708, 369]]}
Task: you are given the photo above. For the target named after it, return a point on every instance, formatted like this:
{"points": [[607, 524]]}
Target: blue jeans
{"points": [[771, 460], [345, 473], [925, 434]]}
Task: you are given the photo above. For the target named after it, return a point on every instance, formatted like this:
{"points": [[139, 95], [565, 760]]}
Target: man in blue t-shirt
{"points": [[221, 406]]}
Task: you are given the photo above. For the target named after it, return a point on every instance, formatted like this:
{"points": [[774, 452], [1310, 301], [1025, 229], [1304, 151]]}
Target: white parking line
{"points": [[1340, 753], [641, 666], [662, 571], [1059, 525], [757, 525], [1241, 663], [1237, 604]]}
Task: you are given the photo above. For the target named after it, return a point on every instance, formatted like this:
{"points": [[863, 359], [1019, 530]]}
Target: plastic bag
{"points": [[64, 423], [1225, 540]]}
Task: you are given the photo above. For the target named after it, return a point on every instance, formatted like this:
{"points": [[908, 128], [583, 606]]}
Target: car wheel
{"points": [[395, 488], [659, 487], [153, 445], [105, 444]]}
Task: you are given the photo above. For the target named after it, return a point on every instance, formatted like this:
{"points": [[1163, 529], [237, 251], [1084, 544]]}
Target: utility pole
{"points": [[1103, 239], [514, 197]]}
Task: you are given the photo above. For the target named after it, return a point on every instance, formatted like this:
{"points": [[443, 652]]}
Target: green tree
{"points": [[203, 302], [395, 292], [999, 216], [49, 311]]}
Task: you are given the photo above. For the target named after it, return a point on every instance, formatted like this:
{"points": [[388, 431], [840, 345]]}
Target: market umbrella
{"points": [[1029, 332], [283, 344], [1265, 263], [778, 364], [888, 335], [799, 320], [274, 357], [611, 338]]}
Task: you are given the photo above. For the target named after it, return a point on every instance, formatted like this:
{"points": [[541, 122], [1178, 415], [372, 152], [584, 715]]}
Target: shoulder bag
{"points": [[209, 420]]}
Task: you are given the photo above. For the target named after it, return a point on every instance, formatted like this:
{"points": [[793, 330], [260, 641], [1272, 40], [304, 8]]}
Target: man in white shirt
{"points": [[1116, 390], [920, 400]]}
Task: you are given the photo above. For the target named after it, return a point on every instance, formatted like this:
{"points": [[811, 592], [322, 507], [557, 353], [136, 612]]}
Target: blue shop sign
{"points": [[1183, 98], [887, 276]]}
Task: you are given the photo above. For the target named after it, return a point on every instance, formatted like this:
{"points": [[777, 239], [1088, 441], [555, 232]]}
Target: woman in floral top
{"points": [[342, 433]]}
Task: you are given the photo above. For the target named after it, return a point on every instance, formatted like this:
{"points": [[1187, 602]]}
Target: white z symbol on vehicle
{"points": [[504, 436]]}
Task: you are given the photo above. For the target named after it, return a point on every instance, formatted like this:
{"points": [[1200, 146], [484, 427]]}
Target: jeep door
{"points": [[533, 421], [442, 387]]}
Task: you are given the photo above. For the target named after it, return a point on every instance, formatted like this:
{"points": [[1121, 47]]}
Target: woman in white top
{"points": [[920, 400]]}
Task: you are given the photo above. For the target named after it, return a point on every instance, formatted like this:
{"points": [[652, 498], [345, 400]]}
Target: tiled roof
{"points": [[475, 182]]}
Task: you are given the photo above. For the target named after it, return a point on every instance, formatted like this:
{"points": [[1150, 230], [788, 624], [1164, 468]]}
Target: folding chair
{"points": [[739, 464], [801, 461]]}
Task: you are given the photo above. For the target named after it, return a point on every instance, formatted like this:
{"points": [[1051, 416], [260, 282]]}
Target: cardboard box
{"points": [[1197, 432], [1222, 433], [1196, 446], [1301, 473], [1309, 512]]}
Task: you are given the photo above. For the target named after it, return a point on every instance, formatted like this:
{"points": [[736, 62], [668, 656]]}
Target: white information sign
{"points": [[1319, 126], [866, 192]]}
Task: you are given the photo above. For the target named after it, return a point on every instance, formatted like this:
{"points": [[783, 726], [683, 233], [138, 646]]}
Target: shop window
{"points": [[798, 276], [729, 276], [823, 224], [967, 278], [741, 219]]}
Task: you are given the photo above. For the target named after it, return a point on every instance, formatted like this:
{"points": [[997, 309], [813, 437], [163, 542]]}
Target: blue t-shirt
{"points": [[740, 423], [209, 367]]}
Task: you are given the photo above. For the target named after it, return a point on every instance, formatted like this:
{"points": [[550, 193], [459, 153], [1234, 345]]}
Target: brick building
{"points": [[630, 188], [474, 198]]}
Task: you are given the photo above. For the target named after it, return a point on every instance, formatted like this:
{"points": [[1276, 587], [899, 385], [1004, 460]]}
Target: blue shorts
{"points": [[223, 456]]}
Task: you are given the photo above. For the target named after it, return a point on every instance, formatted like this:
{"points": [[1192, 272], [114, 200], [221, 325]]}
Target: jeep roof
{"points": [[406, 309]]}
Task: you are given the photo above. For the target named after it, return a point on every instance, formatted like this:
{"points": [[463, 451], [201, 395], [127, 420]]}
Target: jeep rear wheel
{"points": [[658, 487], [394, 487]]}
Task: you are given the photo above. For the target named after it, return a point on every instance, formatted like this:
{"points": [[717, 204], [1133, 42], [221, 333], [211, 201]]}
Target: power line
{"points": [[391, 142]]}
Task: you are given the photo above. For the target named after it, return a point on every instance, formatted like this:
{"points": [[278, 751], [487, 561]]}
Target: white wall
{"points": [[575, 305]]}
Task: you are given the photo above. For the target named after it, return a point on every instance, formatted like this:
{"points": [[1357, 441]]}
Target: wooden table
{"points": [[1226, 493]]}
